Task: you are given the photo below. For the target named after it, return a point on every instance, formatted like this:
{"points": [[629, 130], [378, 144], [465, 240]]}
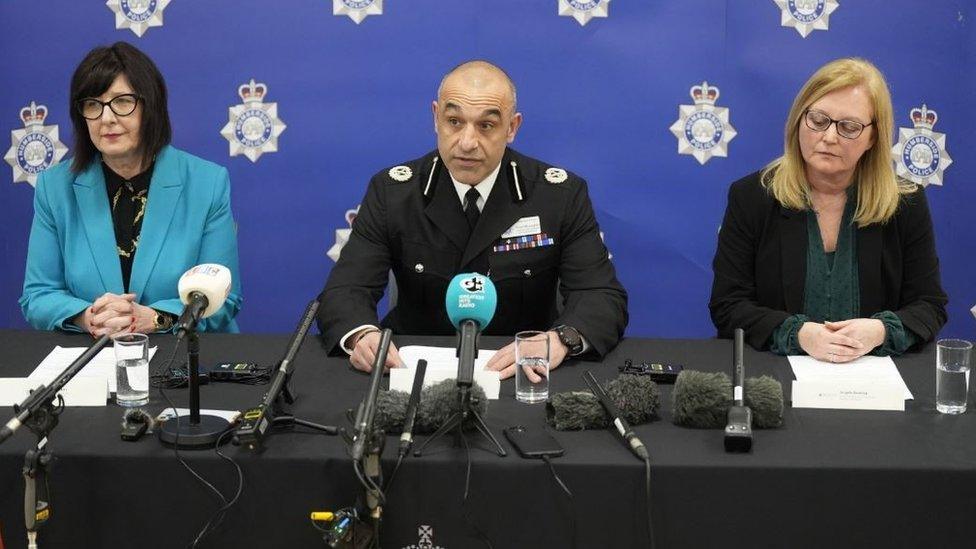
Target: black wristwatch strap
{"points": [[571, 338]]}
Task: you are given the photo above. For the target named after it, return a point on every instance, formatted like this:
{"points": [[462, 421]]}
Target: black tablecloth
{"points": [[827, 479]]}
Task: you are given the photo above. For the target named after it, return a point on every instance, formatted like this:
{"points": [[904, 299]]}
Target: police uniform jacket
{"points": [[412, 222]]}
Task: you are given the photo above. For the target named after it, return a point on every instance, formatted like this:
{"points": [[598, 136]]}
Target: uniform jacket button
{"points": [[527, 272], [419, 267]]}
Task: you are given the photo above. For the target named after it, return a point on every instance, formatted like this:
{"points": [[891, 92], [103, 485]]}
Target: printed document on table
{"points": [[103, 365], [877, 369], [442, 364], [440, 357]]}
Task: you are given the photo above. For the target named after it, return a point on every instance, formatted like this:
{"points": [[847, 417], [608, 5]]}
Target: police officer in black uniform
{"points": [[475, 205]]}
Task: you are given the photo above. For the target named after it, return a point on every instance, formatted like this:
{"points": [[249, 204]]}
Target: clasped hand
{"points": [[841, 341], [115, 313]]}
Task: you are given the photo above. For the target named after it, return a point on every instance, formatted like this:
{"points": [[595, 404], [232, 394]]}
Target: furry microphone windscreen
{"points": [[440, 401], [702, 400], [765, 396], [437, 404], [637, 397]]}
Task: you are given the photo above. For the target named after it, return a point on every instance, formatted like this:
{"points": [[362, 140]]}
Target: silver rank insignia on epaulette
{"points": [[400, 173], [556, 175]]}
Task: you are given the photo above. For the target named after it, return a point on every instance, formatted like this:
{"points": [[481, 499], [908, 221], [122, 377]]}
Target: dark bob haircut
{"points": [[95, 75]]}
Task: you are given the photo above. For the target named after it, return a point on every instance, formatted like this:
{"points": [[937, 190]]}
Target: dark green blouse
{"points": [[831, 291]]}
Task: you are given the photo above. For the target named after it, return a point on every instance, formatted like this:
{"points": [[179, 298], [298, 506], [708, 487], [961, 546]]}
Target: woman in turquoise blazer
{"points": [[113, 233]]}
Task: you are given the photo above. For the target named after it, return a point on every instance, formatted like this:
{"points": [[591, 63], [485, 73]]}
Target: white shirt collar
{"points": [[483, 188]]}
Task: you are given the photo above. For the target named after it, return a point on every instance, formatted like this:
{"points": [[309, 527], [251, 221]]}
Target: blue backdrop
{"points": [[597, 99]]}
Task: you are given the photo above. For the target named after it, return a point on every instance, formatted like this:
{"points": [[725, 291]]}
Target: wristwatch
{"points": [[162, 322], [571, 338]]}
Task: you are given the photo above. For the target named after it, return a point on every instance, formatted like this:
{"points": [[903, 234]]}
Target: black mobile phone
{"points": [[533, 443]]}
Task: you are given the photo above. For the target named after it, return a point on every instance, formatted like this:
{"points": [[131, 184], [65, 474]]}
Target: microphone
{"points": [[406, 439], [203, 289], [44, 394], [470, 301], [636, 446], [256, 421], [437, 404], [738, 429], [701, 400], [364, 416], [637, 396]]}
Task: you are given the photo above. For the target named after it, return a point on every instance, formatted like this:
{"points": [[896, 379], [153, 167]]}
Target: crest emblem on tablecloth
{"points": [[254, 126], [138, 15], [703, 130], [35, 147], [583, 10], [342, 235], [426, 534], [357, 10], [806, 16], [920, 153]]}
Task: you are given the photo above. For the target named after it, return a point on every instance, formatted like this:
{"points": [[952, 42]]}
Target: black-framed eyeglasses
{"points": [[121, 105], [819, 122]]}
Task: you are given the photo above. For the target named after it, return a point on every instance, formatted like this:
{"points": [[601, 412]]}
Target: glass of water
{"points": [[952, 375], [131, 369], [531, 366]]}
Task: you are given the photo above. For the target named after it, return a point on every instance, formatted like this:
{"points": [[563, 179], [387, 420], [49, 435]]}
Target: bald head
{"points": [[475, 120], [479, 75]]}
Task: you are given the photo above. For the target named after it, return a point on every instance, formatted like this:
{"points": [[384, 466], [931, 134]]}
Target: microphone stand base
{"points": [[453, 422], [193, 436]]}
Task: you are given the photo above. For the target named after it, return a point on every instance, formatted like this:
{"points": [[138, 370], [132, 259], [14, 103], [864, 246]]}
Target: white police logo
{"points": [[400, 173], [426, 541], [34, 148], [254, 126], [138, 15], [583, 10], [556, 175], [703, 130], [920, 153], [342, 236], [806, 16], [357, 10]]}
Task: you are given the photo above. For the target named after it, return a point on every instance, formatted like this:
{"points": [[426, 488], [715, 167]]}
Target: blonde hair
{"points": [[879, 190]]}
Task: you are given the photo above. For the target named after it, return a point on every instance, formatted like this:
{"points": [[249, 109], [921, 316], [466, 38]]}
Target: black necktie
{"points": [[471, 207]]}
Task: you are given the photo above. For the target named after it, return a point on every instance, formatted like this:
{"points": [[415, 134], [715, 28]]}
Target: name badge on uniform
{"points": [[523, 227]]}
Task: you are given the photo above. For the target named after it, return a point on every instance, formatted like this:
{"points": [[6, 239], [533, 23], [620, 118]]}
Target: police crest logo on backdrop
{"points": [[357, 10], [35, 147], [703, 130], [138, 15], [253, 126], [806, 16], [920, 154], [342, 235], [583, 10]]}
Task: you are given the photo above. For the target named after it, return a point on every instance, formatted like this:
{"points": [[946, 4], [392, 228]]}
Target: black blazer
{"points": [[760, 265], [415, 227]]}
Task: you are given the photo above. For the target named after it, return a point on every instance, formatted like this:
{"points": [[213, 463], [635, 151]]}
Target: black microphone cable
{"points": [[647, 494], [569, 494], [226, 505], [467, 484]]}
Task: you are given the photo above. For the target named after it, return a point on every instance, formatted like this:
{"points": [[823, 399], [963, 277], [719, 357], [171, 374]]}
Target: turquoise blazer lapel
{"points": [[165, 189], [90, 193]]}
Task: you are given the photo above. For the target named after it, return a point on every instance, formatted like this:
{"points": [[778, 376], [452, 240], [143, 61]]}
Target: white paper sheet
{"points": [[80, 391], [441, 365], [103, 365], [440, 357], [167, 414], [877, 369]]}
